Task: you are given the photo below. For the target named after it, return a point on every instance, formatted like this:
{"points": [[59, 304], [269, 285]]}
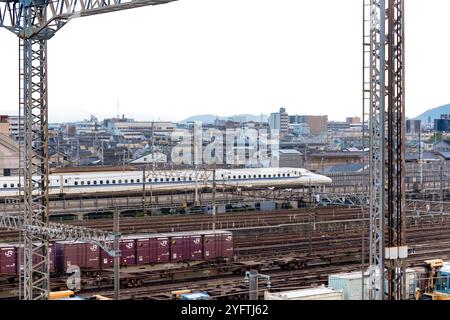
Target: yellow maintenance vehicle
{"points": [[437, 282]]}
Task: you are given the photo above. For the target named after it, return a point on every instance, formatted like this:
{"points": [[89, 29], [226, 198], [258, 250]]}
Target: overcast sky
{"points": [[228, 57]]}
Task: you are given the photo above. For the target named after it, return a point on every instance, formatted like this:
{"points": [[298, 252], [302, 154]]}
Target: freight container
{"points": [[144, 252], [178, 248], [106, 260], [227, 244], [318, 293], [152, 248], [195, 250], [81, 254], [128, 252], [91, 255], [351, 283], [51, 258], [217, 244], [161, 245], [8, 256]]}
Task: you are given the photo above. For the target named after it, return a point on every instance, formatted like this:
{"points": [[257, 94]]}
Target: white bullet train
{"points": [[115, 181]]}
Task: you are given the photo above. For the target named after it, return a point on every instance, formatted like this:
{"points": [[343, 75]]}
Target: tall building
{"points": [[279, 121], [274, 121], [413, 126], [353, 120], [317, 124], [4, 125], [442, 124], [14, 126]]}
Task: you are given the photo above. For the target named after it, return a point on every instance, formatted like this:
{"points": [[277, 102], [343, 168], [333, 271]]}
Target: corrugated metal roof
{"points": [[304, 292], [351, 167], [445, 155], [289, 151]]}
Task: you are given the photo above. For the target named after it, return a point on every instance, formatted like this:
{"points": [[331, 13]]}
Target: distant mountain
{"points": [[210, 118], [434, 114]]}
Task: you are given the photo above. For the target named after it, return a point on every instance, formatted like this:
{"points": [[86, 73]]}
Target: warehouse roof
{"points": [[290, 151], [350, 167]]}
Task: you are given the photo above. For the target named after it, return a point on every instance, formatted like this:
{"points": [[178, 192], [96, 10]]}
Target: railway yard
{"points": [[298, 248]]}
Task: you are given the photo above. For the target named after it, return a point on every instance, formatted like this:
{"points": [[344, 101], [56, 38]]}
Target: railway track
{"points": [[295, 259]]}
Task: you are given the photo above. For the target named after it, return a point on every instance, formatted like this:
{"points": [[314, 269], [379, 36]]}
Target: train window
{"points": [[150, 180], [132, 180], [190, 178], [259, 176], [279, 175], [173, 179], [75, 183], [239, 177], [254, 176], [179, 179], [264, 176], [245, 177], [65, 181], [222, 175], [114, 181], [5, 186], [288, 174], [234, 177], [107, 181], [126, 180], [284, 175], [89, 182], [167, 179], [270, 176], [229, 177], [161, 180], [120, 180], [95, 181], [82, 183], [18, 185], [101, 181]]}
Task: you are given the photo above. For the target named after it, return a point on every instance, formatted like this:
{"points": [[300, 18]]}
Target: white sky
{"points": [[228, 57]]}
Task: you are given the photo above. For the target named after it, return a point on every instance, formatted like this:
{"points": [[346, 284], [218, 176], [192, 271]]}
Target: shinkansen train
{"points": [[111, 181]]}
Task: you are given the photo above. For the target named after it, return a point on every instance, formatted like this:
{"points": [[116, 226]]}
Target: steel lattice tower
{"points": [[35, 22], [386, 82]]}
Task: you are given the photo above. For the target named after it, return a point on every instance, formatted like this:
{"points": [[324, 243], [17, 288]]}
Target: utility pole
{"points": [[214, 198], [252, 277], [117, 254], [387, 163], [143, 188]]}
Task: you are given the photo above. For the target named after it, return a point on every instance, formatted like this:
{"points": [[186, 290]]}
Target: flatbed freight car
{"points": [[145, 249]]}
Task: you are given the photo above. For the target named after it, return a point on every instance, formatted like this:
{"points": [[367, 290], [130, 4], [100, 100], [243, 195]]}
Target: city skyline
{"points": [[229, 58]]}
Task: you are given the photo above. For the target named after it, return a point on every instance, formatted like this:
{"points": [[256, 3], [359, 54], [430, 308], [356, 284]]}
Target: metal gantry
{"points": [[35, 22], [387, 146]]}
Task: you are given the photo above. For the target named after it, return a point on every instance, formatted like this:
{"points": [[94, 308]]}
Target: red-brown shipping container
{"points": [[128, 252], [144, 252], [52, 256], [8, 256], [195, 248], [68, 254], [227, 244], [91, 254], [178, 246], [81, 254], [217, 244], [211, 245], [106, 260], [162, 245]]}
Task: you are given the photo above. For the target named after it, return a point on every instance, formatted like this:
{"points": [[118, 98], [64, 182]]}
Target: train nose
{"points": [[323, 179]]}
